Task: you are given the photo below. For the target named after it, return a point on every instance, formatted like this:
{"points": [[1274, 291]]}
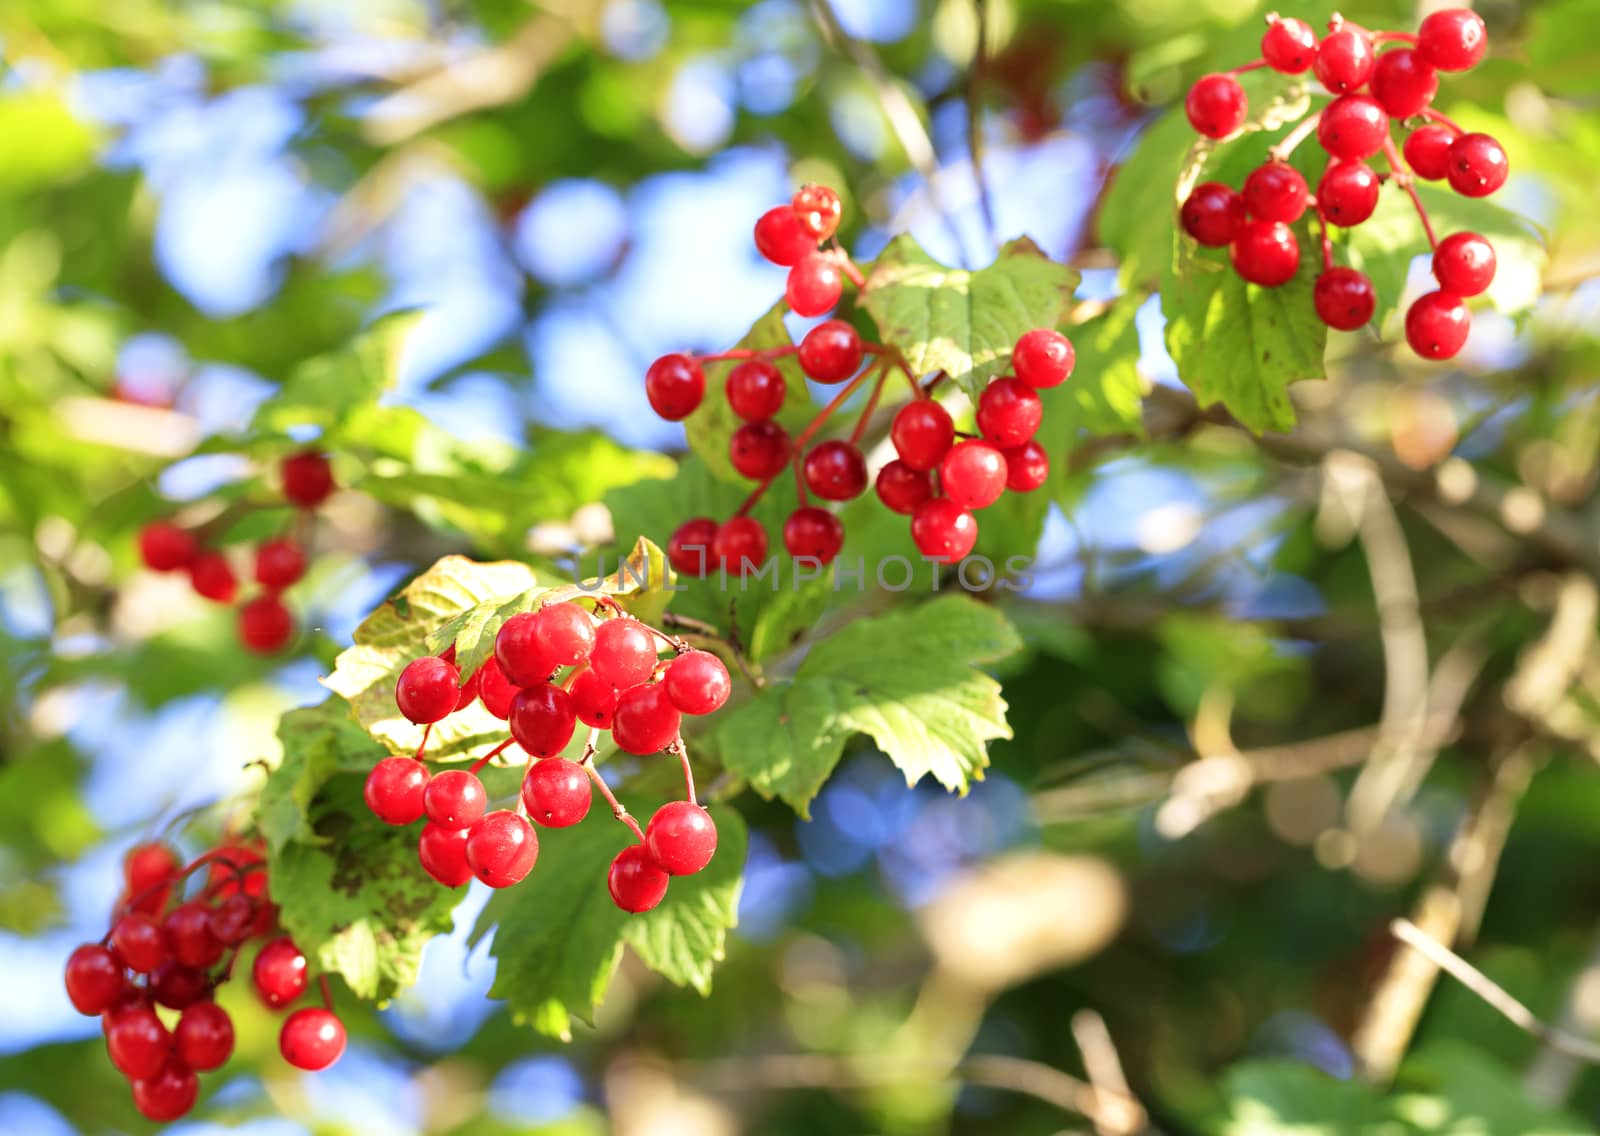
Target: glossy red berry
{"points": [[495, 690], [188, 927], [565, 632], [233, 919], [831, 352], [1266, 253], [395, 788], [1212, 215], [226, 875], [1009, 412], [624, 652], [755, 390], [835, 471], [177, 986], [145, 869], [307, 479], [674, 384], [94, 979], [1289, 45], [1464, 263], [311, 1039], [759, 450], [818, 209], [279, 563], [740, 541], [1427, 152], [212, 577], [168, 1094], [781, 238], [922, 433], [542, 720], [1437, 325], [1343, 298], [1348, 193], [139, 1044], [443, 854], [681, 838], [502, 849], [814, 534], [635, 883], [646, 720], [204, 1036], [279, 972], [594, 700], [1353, 127], [943, 530], [1344, 60], [1043, 358], [556, 792], [516, 648], [697, 682], [1027, 467], [1477, 165], [689, 550], [1453, 39], [973, 474], [1402, 83], [1275, 192], [266, 626], [140, 942], [901, 488], [1216, 105], [427, 690], [814, 286], [164, 547]]}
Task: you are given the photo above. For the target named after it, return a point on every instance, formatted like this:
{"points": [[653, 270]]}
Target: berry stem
{"points": [[617, 808], [848, 267], [1256, 65], [422, 746], [1443, 120], [173, 880], [872, 404], [799, 444], [1404, 177], [327, 993], [491, 755], [618, 610], [1327, 244], [682, 751], [741, 353], [1393, 37], [1281, 152]]}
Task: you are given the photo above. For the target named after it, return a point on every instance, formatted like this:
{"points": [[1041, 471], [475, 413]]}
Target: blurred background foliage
{"points": [[1276, 691]]}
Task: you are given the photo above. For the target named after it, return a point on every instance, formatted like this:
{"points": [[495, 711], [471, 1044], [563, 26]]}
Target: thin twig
{"points": [[1104, 1067]]}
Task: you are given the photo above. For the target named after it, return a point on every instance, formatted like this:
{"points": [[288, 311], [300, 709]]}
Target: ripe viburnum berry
{"points": [[818, 209], [1453, 39], [922, 432], [1464, 263], [1289, 45], [681, 838], [781, 238], [138, 1042], [814, 534], [307, 479], [901, 488], [311, 1039], [1477, 165], [646, 720], [1212, 215], [177, 986], [973, 474], [94, 979], [1427, 152], [495, 690], [1027, 467], [279, 563], [1266, 253], [1343, 298], [427, 690], [542, 720], [188, 927], [443, 854], [674, 384], [518, 651], [635, 882], [835, 470], [1353, 127], [594, 700], [689, 550], [943, 530], [1344, 60], [697, 682], [394, 790], [265, 625], [1009, 412], [1348, 193], [454, 798], [624, 652], [1275, 192], [140, 942], [759, 450], [830, 352], [565, 632], [739, 541], [755, 390], [1403, 84], [1043, 358], [212, 577], [1216, 105], [814, 285], [167, 1095], [204, 1037], [144, 870], [1437, 325], [279, 972], [556, 792], [502, 849], [164, 547]]}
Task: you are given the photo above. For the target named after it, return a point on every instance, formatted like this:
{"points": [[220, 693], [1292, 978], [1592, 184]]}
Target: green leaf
{"points": [[1106, 391], [558, 937], [1237, 343], [961, 322], [1285, 1098], [318, 742], [710, 427], [906, 679], [325, 388], [1469, 1092]]}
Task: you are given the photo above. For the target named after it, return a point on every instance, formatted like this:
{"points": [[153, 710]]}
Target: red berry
{"points": [[755, 390], [1027, 467], [225, 876], [674, 384], [1343, 298], [835, 471], [1216, 105], [1453, 39], [689, 550], [781, 238], [94, 979], [188, 927], [943, 530], [395, 789], [973, 474], [168, 1094], [494, 689], [164, 547], [265, 625], [818, 209], [307, 479], [516, 648], [279, 973], [759, 450], [635, 883], [697, 682], [1464, 263], [233, 919], [279, 563], [1009, 412], [1437, 325], [311, 1039], [144, 869], [814, 286], [565, 631], [1043, 358], [902, 488], [1348, 193], [1289, 45], [1477, 165], [922, 433], [1212, 215], [542, 720], [739, 542], [502, 849], [646, 720], [556, 792], [681, 838], [1344, 60], [1353, 127], [212, 577], [831, 352], [1266, 253], [138, 1043], [443, 854], [1427, 152], [140, 942], [1403, 84], [624, 652], [594, 700], [1275, 192], [177, 986], [204, 1036], [814, 534], [427, 690]]}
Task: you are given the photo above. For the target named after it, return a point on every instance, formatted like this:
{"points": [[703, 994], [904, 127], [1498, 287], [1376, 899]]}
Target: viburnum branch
{"points": [[806, 435], [848, 267], [1327, 242], [872, 405], [491, 755], [618, 810], [327, 992], [1407, 180], [1292, 140], [1443, 120], [1243, 67], [1393, 37], [741, 353], [682, 751], [182, 874], [422, 746]]}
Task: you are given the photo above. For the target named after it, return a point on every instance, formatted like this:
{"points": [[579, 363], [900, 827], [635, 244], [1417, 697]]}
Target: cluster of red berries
{"points": [[165, 953], [972, 473], [265, 623], [1372, 87], [550, 670]]}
